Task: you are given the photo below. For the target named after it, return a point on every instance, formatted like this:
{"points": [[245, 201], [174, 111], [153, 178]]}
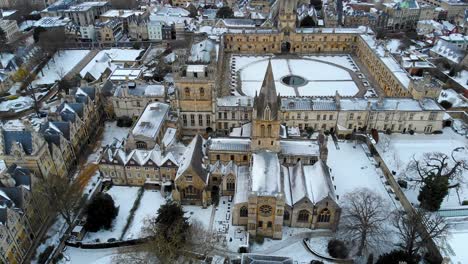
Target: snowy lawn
{"points": [[52, 237], [399, 150], [195, 212], [457, 241], [112, 132], [124, 198], [351, 168], [230, 237], [62, 63], [290, 236], [149, 205], [298, 253], [332, 76], [90, 256], [16, 105]]}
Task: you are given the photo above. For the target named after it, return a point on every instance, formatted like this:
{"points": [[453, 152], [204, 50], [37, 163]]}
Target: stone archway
{"points": [[285, 47]]}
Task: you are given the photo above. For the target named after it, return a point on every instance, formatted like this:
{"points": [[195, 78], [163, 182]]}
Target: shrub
{"points": [[100, 213], [403, 184], [446, 104], [337, 249], [348, 136], [465, 202], [437, 132], [124, 122], [44, 256], [432, 258], [388, 131], [259, 239], [411, 132], [396, 256], [326, 132], [316, 262]]}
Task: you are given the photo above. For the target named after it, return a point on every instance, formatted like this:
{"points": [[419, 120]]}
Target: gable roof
{"points": [[193, 159], [24, 138]]}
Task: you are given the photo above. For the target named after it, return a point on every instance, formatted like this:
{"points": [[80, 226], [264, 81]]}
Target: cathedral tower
{"points": [[265, 121]]}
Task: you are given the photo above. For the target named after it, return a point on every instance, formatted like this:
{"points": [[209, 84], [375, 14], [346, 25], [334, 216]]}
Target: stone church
{"points": [[275, 181]]}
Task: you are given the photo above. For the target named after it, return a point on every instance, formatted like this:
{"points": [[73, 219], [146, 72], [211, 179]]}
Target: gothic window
{"points": [[286, 216], [230, 184], [303, 216], [262, 130], [324, 216], [244, 212], [269, 130], [267, 114], [187, 91], [202, 92]]}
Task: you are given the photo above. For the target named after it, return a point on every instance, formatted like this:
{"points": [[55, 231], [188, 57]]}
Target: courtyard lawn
{"points": [[60, 65], [149, 205], [334, 74], [124, 198], [352, 167], [200, 214], [112, 133], [398, 150]]}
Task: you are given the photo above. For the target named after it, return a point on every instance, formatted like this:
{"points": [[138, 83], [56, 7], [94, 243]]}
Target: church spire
{"points": [[267, 102]]}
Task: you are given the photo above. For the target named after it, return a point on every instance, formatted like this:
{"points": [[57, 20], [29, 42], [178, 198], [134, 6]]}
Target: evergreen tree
{"points": [[100, 213], [432, 193], [225, 12], [307, 22], [396, 256]]}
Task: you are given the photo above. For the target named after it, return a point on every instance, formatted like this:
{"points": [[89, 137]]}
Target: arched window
{"points": [[303, 216], [230, 183], [202, 92], [324, 216], [141, 145], [286, 215], [244, 212], [269, 131], [262, 130], [267, 114], [187, 91]]}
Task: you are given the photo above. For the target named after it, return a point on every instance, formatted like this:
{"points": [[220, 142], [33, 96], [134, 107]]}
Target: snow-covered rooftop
{"points": [[151, 120], [266, 173]]}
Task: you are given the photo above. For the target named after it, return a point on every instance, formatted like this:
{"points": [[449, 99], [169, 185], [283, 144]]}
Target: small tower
{"points": [[287, 15], [265, 121]]}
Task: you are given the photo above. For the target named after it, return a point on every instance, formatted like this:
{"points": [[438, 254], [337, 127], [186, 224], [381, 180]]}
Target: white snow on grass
{"points": [[150, 202], [298, 253], [352, 168], [457, 241], [62, 63], [73, 255], [198, 213], [323, 78], [451, 96], [16, 105], [399, 150], [124, 197], [52, 237], [112, 132]]}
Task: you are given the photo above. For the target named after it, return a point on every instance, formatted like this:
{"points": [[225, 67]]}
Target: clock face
{"points": [[265, 210]]}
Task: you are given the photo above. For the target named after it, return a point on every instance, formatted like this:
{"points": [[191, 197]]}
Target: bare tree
{"points": [[363, 219], [63, 197], [437, 164], [416, 229]]}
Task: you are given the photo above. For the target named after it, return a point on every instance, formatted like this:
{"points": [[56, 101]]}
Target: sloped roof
{"points": [[24, 138], [193, 159]]}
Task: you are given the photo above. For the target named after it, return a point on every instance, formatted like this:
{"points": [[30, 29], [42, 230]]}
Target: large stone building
{"points": [[21, 215]]}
